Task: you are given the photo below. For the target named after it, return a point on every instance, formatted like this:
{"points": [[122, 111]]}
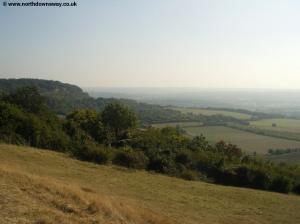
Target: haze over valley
{"points": [[150, 112]]}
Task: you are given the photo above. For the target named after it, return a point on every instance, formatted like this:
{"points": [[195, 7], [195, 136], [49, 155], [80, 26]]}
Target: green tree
{"points": [[29, 99], [89, 121], [119, 119]]}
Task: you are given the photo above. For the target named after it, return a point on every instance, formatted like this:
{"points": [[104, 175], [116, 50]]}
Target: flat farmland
{"points": [[209, 112], [249, 142], [283, 125], [293, 158], [174, 124]]}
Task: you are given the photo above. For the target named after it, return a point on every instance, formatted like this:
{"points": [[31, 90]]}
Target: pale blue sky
{"points": [[156, 43]]}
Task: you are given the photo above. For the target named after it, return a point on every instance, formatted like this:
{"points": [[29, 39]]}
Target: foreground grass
{"points": [[33, 177], [27, 198]]}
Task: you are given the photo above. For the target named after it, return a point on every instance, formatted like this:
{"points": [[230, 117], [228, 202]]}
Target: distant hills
{"points": [[64, 98], [47, 88]]}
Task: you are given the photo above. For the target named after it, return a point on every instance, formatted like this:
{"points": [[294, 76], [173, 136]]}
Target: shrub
{"points": [[29, 99], [247, 177], [244, 176], [225, 176], [296, 188], [183, 158], [261, 179], [189, 175], [162, 161], [92, 153], [131, 159], [208, 163], [281, 184]]}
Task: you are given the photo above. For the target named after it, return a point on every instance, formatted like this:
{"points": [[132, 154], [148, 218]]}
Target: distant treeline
{"points": [[64, 98], [283, 151], [112, 135]]}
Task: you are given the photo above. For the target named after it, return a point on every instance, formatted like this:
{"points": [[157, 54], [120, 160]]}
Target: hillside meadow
{"points": [[47, 187]]}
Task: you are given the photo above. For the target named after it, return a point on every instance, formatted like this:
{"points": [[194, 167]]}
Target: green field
{"points": [[293, 158], [282, 125], [247, 141], [209, 112], [174, 124], [39, 186]]}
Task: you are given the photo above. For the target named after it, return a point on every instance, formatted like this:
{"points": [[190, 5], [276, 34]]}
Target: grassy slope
{"points": [[27, 198], [209, 112], [40, 178], [246, 140]]}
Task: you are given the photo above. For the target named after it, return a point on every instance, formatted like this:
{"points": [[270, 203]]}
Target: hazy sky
{"points": [[155, 43]]}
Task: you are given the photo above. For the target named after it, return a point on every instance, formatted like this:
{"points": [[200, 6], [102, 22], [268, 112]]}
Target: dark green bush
{"points": [[29, 99], [131, 159], [162, 161], [183, 158], [261, 179], [189, 175], [296, 188], [209, 163], [21, 127], [244, 176], [252, 177], [92, 153], [225, 176], [281, 184]]}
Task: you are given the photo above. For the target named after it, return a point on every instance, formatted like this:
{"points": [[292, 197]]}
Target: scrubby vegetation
{"points": [[112, 135]]}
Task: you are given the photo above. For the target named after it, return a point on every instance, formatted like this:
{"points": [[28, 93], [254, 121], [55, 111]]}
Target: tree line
{"points": [[114, 136], [63, 98], [283, 151]]}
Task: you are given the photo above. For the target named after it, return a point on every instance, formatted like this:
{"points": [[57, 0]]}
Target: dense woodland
{"points": [[112, 134]]}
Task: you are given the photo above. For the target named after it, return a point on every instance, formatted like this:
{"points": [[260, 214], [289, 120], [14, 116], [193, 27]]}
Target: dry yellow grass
{"points": [[44, 186], [26, 198]]}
